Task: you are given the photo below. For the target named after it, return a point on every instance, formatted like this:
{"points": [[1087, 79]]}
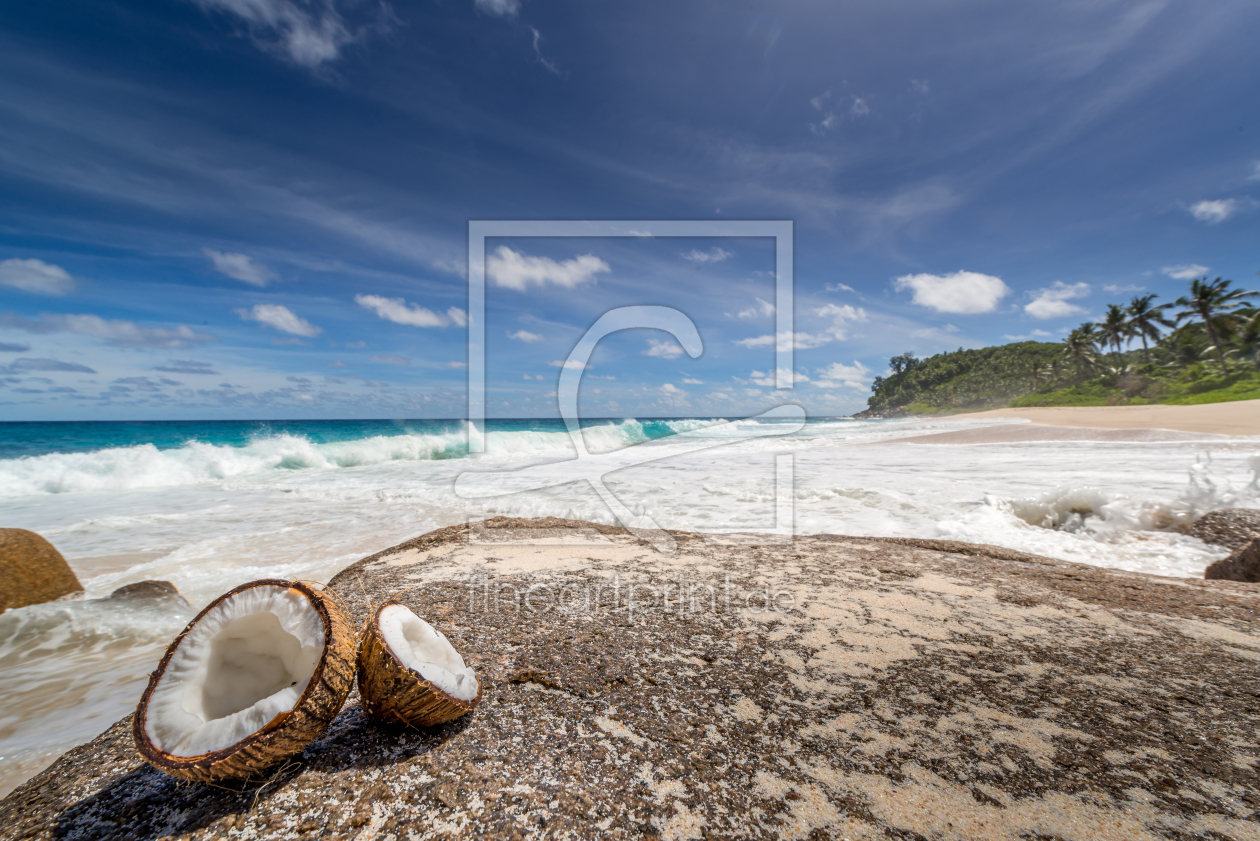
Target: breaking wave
{"points": [[198, 462]]}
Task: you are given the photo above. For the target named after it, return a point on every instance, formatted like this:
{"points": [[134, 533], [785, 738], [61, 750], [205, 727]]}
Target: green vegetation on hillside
{"points": [[1208, 353]]}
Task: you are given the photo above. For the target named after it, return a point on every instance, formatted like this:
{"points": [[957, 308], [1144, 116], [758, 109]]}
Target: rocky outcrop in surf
{"points": [[1229, 527], [32, 571], [1243, 565], [827, 687]]}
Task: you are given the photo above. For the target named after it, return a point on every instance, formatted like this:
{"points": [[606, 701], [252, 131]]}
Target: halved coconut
{"points": [[252, 680], [409, 673]]}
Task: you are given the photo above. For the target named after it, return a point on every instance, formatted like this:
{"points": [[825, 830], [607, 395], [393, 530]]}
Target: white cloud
{"points": [[771, 378], [281, 318], [400, 312], [240, 267], [962, 292], [526, 336], [1052, 301], [761, 308], [692, 381], [1187, 272], [516, 271], [35, 276], [663, 348], [860, 108], [840, 315], [795, 341], [499, 8], [571, 364], [713, 255], [838, 374], [538, 54], [117, 333], [820, 100], [838, 287], [1118, 289], [389, 359], [671, 390], [457, 316], [1217, 210], [308, 34], [920, 86]]}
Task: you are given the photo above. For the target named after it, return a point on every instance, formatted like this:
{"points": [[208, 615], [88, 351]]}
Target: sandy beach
{"points": [[1241, 417]]}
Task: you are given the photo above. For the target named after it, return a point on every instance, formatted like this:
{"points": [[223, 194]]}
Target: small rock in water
{"points": [[1243, 565], [32, 571], [1232, 528], [149, 591]]}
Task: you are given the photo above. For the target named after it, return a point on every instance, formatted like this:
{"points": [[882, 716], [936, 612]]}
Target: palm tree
{"points": [[1247, 339], [1145, 319], [1216, 304], [1115, 329], [1079, 347]]}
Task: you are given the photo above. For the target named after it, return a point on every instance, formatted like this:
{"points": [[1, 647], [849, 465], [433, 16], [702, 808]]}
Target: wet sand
{"points": [[1019, 433]]}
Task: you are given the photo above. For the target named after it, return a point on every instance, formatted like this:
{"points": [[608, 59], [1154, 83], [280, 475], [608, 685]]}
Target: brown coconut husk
{"points": [[393, 692], [286, 734]]}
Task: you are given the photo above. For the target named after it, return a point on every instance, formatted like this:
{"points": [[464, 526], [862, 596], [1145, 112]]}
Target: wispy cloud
{"points": [[309, 34], [499, 8], [713, 255], [13, 347], [570, 364], [840, 316], [26, 365], [837, 374], [399, 311], [761, 308], [116, 332], [663, 348], [514, 270], [1216, 210], [186, 366], [1187, 272], [281, 318], [36, 276], [962, 292], [240, 267], [389, 359], [771, 379], [538, 53], [526, 336], [792, 341], [1054, 301]]}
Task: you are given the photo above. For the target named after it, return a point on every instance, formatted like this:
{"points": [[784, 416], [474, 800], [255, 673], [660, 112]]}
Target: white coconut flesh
{"points": [[247, 661], [422, 648]]}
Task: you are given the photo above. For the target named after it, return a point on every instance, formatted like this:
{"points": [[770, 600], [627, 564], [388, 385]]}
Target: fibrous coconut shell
{"points": [[393, 692], [286, 734]]}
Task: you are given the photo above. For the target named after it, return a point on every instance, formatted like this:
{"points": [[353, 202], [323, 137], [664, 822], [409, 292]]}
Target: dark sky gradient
{"points": [[338, 149]]}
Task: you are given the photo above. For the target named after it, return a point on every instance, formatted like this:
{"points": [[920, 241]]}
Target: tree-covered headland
{"points": [[1202, 348]]}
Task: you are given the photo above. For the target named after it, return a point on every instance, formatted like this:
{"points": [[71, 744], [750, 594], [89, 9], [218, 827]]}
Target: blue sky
{"points": [[259, 208]]}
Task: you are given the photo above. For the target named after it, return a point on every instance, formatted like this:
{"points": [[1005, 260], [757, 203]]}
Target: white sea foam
{"points": [[145, 466], [208, 517]]}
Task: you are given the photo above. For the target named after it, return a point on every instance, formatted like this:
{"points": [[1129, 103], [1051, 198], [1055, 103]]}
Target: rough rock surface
{"points": [[1243, 565], [833, 687], [1229, 527], [32, 571]]}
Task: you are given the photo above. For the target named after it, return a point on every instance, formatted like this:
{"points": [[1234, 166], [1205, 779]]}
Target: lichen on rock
{"points": [[830, 687]]}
